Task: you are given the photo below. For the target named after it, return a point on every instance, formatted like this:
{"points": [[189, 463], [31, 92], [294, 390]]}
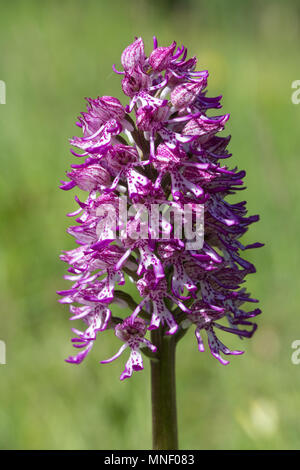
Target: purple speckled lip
{"points": [[158, 148]]}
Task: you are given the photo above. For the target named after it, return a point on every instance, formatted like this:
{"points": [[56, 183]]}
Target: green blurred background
{"points": [[55, 53]]}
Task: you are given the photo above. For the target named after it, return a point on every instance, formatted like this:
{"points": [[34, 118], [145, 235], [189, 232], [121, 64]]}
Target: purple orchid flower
{"points": [[160, 148]]}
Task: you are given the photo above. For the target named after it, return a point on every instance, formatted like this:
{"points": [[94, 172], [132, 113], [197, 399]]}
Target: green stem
{"points": [[163, 388]]}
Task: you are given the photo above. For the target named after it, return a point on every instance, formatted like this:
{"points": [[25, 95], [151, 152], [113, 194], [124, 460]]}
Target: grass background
{"points": [[55, 53]]}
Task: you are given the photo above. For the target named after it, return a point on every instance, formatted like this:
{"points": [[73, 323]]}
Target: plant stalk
{"points": [[163, 393]]}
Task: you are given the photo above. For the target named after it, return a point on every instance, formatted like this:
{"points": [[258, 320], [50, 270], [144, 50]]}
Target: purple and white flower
{"points": [[133, 335], [160, 147]]}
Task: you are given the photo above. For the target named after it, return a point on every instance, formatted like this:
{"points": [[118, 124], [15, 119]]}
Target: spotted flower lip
{"points": [[132, 333], [161, 146]]}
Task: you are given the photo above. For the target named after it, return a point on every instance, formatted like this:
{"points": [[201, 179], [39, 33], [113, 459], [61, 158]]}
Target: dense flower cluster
{"points": [[160, 148]]}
